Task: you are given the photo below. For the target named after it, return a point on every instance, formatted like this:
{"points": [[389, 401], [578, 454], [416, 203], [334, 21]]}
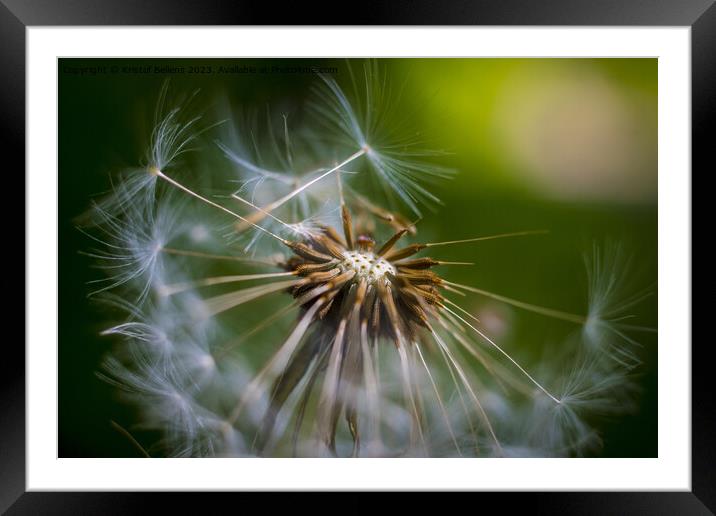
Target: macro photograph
{"points": [[357, 258]]}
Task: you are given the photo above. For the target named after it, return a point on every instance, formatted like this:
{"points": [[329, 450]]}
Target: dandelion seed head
{"points": [[367, 266]]}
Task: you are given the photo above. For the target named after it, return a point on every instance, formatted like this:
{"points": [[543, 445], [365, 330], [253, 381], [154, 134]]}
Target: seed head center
{"points": [[367, 266]]}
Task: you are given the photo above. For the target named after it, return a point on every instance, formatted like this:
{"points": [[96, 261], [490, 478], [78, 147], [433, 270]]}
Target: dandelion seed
{"points": [[610, 272], [396, 160], [131, 245]]}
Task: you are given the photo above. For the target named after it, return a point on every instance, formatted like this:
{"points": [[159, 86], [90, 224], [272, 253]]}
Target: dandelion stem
{"points": [[221, 303], [454, 290], [468, 387], [491, 237], [198, 254], [239, 198], [459, 391], [439, 399], [170, 290], [258, 215], [549, 312], [488, 339], [175, 183]]}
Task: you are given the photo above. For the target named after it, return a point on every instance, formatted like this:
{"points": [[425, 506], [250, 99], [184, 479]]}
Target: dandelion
{"points": [[381, 358], [130, 244]]}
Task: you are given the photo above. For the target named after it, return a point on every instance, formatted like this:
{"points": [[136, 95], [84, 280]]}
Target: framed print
{"points": [[399, 254]]}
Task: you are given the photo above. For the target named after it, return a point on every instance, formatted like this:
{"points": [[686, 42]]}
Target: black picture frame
{"points": [[17, 15]]}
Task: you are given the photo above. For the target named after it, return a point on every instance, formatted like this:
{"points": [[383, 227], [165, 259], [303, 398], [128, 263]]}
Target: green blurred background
{"points": [[568, 145]]}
